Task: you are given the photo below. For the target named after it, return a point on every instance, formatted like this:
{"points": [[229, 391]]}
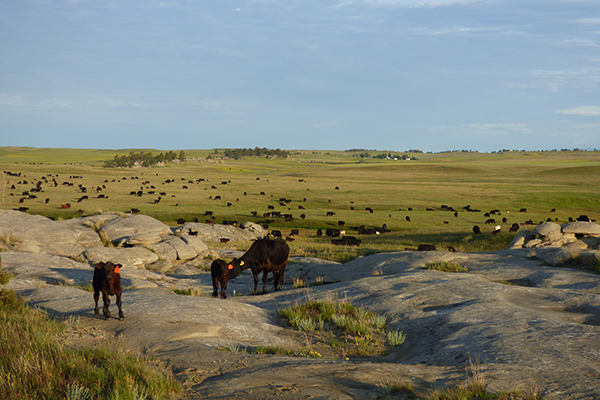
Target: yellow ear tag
{"points": [[241, 263], [117, 270], [230, 266]]}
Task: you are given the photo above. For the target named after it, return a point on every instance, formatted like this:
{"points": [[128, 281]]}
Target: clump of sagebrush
{"points": [[5, 276], [348, 329], [446, 266], [34, 364]]}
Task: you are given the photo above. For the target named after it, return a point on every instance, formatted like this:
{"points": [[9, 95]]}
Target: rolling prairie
{"points": [[314, 183]]}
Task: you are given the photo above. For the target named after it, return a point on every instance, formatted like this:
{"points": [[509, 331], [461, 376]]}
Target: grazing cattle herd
{"points": [[268, 255]]}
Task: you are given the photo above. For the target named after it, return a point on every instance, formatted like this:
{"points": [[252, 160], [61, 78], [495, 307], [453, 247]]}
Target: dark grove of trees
{"points": [[237, 154], [144, 159]]}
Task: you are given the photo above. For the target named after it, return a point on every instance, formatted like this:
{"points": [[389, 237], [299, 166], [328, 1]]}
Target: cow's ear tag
{"points": [[241, 263], [117, 270], [230, 266]]}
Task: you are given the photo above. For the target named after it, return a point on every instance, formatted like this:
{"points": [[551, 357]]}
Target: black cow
{"points": [[476, 230], [221, 273], [107, 279], [346, 241], [426, 247], [514, 228], [265, 255]]}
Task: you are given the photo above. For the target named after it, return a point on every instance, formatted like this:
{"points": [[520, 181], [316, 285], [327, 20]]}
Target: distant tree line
{"points": [[237, 154], [143, 159]]}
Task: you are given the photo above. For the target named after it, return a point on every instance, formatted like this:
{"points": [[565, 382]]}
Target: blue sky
{"points": [[432, 75]]}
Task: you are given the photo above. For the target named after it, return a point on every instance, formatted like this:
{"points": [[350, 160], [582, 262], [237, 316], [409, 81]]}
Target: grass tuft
{"points": [[446, 266], [34, 364]]}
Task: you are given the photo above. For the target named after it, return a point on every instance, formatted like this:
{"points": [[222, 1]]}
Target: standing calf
{"points": [[107, 278], [221, 273]]}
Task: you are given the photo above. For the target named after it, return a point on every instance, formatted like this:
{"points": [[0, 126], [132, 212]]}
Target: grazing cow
{"points": [[369, 209], [333, 232], [341, 223], [583, 218], [107, 279], [523, 210], [476, 230], [276, 233], [346, 241], [65, 205], [330, 213], [319, 233], [265, 255], [221, 273], [181, 221], [294, 232], [135, 211], [514, 228], [408, 218], [490, 221], [426, 247], [496, 230]]}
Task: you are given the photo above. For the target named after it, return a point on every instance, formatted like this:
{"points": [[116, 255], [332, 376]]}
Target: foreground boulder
{"points": [[38, 234]]}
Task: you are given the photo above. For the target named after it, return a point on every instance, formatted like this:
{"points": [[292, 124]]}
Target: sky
{"points": [[429, 75]]}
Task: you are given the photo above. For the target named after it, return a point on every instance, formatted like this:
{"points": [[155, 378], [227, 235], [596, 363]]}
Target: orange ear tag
{"points": [[117, 270], [230, 266]]}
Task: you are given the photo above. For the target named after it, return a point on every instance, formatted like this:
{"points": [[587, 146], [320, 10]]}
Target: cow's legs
{"points": [[255, 282], [223, 289], [96, 298], [215, 287], [279, 277], [106, 301], [264, 279], [121, 315]]}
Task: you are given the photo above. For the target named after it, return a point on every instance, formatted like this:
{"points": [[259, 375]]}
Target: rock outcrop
{"points": [[530, 322]]}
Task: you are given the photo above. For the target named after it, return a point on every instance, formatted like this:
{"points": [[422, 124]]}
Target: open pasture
{"points": [[315, 183]]}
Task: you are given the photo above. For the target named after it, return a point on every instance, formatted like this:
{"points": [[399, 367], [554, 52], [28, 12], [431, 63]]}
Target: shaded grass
{"points": [[446, 266], [34, 364]]}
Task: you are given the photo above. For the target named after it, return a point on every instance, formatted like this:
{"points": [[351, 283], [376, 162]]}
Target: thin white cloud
{"points": [[586, 111], [495, 128]]}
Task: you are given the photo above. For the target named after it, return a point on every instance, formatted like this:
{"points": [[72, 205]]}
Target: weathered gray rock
{"points": [[254, 227], [196, 243], [142, 239], [582, 228], [216, 232], [122, 228], [522, 237], [546, 229], [37, 234], [132, 257]]}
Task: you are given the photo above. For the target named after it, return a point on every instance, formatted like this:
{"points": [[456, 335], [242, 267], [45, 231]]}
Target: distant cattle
{"points": [[265, 255], [408, 218], [476, 230], [523, 210], [583, 218], [514, 228], [346, 241], [330, 213], [107, 279], [496, 230], [294, 232], [490, 221], [341, 223], [333, 232], [181, 221], [221, 272], [426, 247], [65, 205], [229, 222], [276, 234], [369, 209], [134, 211], [319, 233]]}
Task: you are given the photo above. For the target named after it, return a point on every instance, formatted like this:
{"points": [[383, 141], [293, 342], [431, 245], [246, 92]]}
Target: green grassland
{"points": [[321, 181]]}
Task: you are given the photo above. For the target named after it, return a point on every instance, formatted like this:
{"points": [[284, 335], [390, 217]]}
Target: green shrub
{"points": [[446, 266]]}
